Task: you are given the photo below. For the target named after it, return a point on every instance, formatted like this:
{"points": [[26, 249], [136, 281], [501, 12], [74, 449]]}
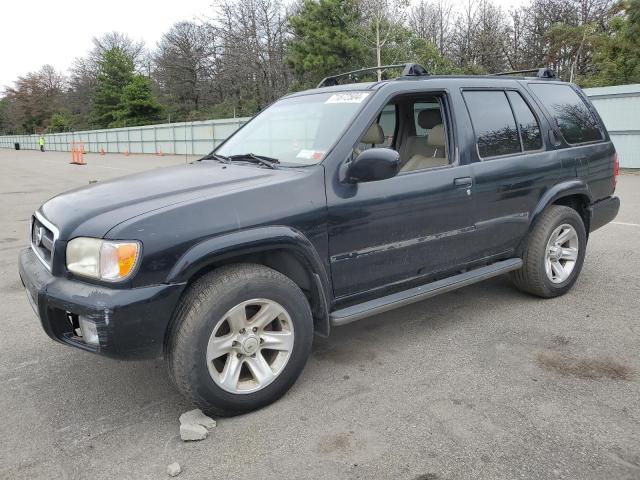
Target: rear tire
{"points": [[218, 351], [553, 253]]}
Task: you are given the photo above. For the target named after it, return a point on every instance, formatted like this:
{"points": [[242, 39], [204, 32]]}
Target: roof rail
{"points": [[541, 72], [409, 70]]}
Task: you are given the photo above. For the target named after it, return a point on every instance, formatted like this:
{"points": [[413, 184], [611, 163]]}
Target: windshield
{"points": [[297, 130]]}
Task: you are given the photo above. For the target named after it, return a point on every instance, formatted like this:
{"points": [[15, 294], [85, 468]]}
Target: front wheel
{"points": [[240, 339], [553, 253]]}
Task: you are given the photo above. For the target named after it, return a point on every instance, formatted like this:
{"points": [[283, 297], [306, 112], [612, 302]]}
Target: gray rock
{"points": [[196, 417], [174, 469], [192, 432]]}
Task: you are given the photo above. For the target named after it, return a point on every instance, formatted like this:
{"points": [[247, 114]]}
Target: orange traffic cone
{"points": [[76, 154], [126, 152], [73, 153], [102, 151], [160, 153], [81, 155]]}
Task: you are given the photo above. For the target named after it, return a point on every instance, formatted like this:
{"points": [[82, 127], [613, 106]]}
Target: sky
{"points": [[37, 32]]}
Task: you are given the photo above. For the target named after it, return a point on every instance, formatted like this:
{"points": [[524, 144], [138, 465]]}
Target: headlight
{"points": [[109, 260]]}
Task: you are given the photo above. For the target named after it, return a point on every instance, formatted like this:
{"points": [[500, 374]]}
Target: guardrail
{"points": [[190, 138]]}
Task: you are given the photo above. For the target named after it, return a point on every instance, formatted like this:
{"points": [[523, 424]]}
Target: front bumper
{"points": [[603, 211], [131, 322]]}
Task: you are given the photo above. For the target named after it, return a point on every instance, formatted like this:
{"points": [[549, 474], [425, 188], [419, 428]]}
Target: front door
{"points": [[383, 234]]}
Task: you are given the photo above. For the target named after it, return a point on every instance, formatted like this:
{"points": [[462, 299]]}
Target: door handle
{"points": [[463, 182]]}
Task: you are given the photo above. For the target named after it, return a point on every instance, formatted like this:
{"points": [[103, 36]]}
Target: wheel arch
{"points": [[574, 194], [281, 248]]}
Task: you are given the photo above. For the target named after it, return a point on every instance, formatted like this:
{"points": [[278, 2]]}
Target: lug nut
{"points": [[255, 329], [242, 330], [262, 340], [253, 356], [234, 344], [239, 355]]}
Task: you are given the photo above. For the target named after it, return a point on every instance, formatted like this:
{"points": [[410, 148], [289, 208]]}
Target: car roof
{"points": [[433, 81]]}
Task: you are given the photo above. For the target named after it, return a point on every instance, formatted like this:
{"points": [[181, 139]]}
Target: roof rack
{"points": [[409, 70], [541, 72]]}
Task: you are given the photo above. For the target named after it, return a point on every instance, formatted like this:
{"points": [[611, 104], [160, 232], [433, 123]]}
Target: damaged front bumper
{"points": [[130, 323]]}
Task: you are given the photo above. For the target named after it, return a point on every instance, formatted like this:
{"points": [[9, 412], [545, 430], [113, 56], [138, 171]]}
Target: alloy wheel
{"points": [[561, 253], [250, 346]]}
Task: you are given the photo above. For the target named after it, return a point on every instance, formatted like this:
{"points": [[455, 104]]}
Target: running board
{"points": [[416, 294]]}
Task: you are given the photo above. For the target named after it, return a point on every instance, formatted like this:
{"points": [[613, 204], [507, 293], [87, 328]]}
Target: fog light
{"points": [[89, 331]]}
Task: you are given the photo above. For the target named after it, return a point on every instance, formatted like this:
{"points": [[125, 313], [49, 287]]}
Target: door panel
{"points": [[506, 191], [512, 170], [386, 232]]}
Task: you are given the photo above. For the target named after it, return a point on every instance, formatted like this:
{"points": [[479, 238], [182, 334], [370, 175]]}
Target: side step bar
{"points": [[416, 294]]}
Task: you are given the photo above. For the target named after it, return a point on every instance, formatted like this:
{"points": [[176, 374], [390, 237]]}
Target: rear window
{"points": [[493, 123], [575, 121], [527, 123]]}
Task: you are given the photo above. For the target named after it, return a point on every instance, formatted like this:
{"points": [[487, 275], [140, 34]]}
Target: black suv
{"points": [[331, 205]]}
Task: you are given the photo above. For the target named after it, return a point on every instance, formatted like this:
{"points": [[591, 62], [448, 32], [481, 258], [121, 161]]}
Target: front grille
{"points": [[42, 240]]}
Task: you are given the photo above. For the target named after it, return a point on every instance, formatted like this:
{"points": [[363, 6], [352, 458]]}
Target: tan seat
{"points": [[415, 144], [434, 154], [374, 135]]}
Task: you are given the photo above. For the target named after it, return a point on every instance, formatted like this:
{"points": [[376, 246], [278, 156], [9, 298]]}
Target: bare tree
{"points": [[383, 18], [432, 21], [134, 48], [35, 97], [185, 62], [251, 41]]}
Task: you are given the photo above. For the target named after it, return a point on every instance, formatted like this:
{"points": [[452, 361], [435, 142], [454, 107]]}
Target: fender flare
{"points": [[560, 190], [256, 240]]}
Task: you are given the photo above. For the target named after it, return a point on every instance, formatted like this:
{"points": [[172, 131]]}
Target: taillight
{"points": [[616, 169]]}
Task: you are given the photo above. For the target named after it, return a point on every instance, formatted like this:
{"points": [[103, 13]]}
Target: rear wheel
{"points": [[240, 339], [553, 253]]}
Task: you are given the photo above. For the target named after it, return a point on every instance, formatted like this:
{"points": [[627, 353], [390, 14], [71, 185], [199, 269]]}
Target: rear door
{"points": [[511, 169]]}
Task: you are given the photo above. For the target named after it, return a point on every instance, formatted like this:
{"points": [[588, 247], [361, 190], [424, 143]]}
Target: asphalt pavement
{"points": [[482, 383]]}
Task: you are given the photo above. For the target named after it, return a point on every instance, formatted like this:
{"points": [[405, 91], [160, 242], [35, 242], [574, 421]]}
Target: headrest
{"points": [[427, 119], [436, 136], [374, 135]]}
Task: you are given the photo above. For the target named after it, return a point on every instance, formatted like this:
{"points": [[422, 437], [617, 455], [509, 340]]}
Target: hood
{"points": [[95, 209]]}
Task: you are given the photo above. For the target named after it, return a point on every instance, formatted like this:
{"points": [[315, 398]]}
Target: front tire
{"points": [[240, 339], [553, 253]]}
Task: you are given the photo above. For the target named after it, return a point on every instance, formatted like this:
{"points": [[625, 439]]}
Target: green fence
{"points": [[190, 138], [619, 108]]}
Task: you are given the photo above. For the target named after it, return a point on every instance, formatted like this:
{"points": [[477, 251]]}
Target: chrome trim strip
{"points": [[54, 230], [340, 257]]}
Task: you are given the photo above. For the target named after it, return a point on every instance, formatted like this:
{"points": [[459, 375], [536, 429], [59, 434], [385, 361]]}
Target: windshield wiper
{"points": [[261, 159], [216, 156]]}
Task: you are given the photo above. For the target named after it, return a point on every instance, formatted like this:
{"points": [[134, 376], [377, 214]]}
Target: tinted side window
{"points": [[529, 128], [493, 123], [571, 113]]}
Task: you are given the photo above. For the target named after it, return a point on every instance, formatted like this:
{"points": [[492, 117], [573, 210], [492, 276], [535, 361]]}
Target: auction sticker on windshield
{"points": [[310, 155], [347, 97]]}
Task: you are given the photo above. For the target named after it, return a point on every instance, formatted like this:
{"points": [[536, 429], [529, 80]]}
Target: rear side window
{"points": [[493, 123], [575, 121], [527, 123]]}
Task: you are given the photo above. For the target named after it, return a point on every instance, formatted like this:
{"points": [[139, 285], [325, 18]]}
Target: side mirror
{"points": [[374, 164]]}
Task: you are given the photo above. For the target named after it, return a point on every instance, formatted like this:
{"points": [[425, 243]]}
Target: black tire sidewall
{"points": [[565, 216], [206, 393]]}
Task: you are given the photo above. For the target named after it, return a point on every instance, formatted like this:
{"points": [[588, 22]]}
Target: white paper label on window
{"points": [[347, 97]]}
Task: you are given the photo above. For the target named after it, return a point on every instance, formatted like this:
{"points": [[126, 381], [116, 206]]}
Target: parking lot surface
{"points": [[481, 383]]}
